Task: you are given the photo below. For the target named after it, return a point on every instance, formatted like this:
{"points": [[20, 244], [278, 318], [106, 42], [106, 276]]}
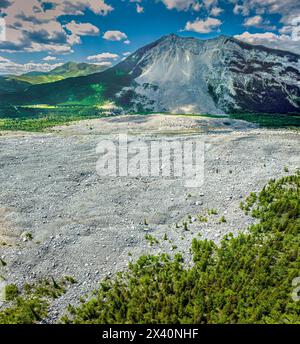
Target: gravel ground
{"points": [[85, 225]]}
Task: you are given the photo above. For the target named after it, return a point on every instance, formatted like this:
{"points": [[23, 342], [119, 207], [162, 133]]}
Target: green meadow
{"points": [[42, 116]]}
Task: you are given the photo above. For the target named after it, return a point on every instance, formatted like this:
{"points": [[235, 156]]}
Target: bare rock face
{"points": [[222, 75]]}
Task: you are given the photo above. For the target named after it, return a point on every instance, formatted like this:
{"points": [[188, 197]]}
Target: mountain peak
{"points": [[174, 38], [185, 75], [170, 37]]}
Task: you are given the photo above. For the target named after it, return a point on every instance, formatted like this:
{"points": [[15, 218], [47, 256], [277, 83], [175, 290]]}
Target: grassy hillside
{"points": [[18, 83], [38, 79], [10, 85], [247, 279], [92, 89], [39, 118]]}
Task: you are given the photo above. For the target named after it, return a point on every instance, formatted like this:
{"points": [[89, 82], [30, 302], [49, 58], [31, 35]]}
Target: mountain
{"points": [[185, 75], [16, 83], [9, 85], [72, 69]]}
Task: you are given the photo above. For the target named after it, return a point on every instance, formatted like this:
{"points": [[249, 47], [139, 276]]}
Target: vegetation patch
{"points": [[247, 279], [40, 117], [270, 120], [30, 305]]}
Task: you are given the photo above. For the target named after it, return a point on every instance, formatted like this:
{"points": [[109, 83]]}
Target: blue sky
{"points": [[43, 34]]}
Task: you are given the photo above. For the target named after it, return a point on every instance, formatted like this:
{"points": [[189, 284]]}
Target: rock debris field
{"points": [[59, 217]]}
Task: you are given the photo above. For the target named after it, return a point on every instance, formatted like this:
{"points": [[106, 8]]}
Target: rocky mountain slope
{"points": [[186, 75]]}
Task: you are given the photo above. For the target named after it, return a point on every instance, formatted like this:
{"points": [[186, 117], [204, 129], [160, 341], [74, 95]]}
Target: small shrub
{"points": [[185, 226], [11, 292], [151, 239], [202, 218], [212, 212], [2, 262], [223, 219]]}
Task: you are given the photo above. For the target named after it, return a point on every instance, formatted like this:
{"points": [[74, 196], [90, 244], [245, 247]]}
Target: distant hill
{"points": [[72, 69], [9, 85], [184, 75], [16, 83]]}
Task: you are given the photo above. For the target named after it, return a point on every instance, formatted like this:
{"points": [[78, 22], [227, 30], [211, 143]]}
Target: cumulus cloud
{"points": [[271, 40], [115, 36], [287, 9], [50, 58], [253, 21], [32, 26], [216, 11], [182, 5], [77, 7], [102, 57], [51, 48], [82, 29], [210, 3], [259, 22], [203, 26], [241, 9], [103, 63], [9, 67]]}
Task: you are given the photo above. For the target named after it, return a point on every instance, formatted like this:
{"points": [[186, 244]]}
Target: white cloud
{"points": [[210, 3], [216, 11], [139, 8], [181, 5], [77, 7], [253, 21], [203, 26], [82, 29], [103, 63], [271, 40], [33, 27], [49, 58], [3, 59], [127, 53], [10, 67], [51, 48], [127, 41], [115, 36], [197, 7], [241, 9], [259, 22], [102, 57], [287, 9]]}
